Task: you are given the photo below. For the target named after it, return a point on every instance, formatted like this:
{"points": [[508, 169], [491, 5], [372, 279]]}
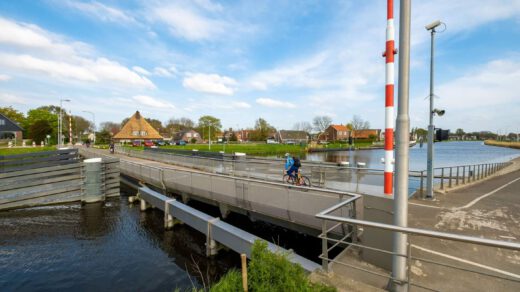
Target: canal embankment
{"points": [[508, 144]]}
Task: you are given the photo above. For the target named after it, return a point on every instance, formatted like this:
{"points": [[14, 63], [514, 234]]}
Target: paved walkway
{"points": [[489, 209]]}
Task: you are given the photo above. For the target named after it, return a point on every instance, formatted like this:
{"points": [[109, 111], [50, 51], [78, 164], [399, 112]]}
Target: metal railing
{"points": [[329, 242], [460, 175]]}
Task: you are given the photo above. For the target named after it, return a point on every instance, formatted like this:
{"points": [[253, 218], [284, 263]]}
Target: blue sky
{"points": [[285, 61]]}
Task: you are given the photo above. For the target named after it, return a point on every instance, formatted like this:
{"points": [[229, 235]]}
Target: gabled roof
{"points": [[293, 135], [179, 135], [339, 127], [8, 125], [137, 124]]}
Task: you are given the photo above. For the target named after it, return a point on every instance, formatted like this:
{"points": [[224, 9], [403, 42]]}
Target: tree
{"points": [[81, 124], [262, 130], [43, 114], [156, 124], [358, 123], [103, 137], [233, 137], [110, 127], [321, 123], [303, 126], [209, 124], [175, 125], [13, 114], [39, 130], [459, 132], [124, 121]]}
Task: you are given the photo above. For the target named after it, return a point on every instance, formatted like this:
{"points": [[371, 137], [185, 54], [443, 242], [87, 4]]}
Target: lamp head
{"points": [[439, 112], [433, 25]]}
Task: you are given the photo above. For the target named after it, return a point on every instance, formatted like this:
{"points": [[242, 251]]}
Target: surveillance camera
{"points": [[433, 25], [439, 112]]}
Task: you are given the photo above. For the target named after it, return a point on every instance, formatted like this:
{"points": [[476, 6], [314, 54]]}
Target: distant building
{"points": [[335, 133], [137, 129], [187, 136], [10, 130], [292, 137], [244, 135], [366, 134]]}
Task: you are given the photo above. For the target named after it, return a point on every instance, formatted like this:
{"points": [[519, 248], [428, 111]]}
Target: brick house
{"points": [[187, 136], [366, 134], [335, 133]]}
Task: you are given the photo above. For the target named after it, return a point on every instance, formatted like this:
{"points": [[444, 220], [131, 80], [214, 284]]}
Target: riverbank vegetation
{"points": [[23, 150], [512, 144], [269, 271]]}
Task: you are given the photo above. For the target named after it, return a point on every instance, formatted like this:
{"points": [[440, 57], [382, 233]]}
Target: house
{"points": [[137, 129], [291, 137], [187, 136], [10, 129], [366, 134], [244, 135], [335, 133]]}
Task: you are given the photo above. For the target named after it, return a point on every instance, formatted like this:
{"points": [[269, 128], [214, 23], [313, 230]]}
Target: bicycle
{"points": [[299, 180]]}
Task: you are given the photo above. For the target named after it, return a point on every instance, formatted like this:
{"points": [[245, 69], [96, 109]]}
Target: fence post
{"points": [[324, 249], [442, 178], [457, 179], [463, 174], [421, 188], [449, 183]]}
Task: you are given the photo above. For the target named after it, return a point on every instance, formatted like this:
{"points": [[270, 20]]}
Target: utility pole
{"points": [[60, 124], [209, 136], [429, 165], [400, 240]]}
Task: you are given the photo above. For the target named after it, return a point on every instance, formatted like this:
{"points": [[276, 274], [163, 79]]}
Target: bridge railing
{"points": [[359, 179], [427, 269], [452, 176]]}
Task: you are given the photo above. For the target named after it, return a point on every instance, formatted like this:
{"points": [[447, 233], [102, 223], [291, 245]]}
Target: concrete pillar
{"points": [[224, 210], [92, 181], [144, 205], [211, 248], [168, 219]]}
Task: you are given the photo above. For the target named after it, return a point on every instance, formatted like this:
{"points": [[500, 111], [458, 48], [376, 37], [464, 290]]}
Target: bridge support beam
{"points": [[211, 245], [168, 218], [224, 210], [144, 205]]}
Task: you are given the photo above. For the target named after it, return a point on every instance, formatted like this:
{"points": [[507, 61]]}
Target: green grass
{"points": [[268, 272], [250, 149], [14, 151], [346, 145]]}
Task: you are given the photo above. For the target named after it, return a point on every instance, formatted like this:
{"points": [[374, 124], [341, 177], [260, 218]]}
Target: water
{"points": [[446, 154], [96, 247]]}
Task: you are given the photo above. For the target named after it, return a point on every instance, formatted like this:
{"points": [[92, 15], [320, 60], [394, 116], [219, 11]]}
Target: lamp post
{"points": [[94, 126], [209, 136], [429, 163], [60, 124]]}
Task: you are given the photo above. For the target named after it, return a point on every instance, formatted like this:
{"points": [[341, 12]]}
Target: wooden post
{"points": [[244, 271]]}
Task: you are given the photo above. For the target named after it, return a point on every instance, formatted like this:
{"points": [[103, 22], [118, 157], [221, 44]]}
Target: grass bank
{"points": [[515, 145], [249, 149], [23, 150], [269, 271]]}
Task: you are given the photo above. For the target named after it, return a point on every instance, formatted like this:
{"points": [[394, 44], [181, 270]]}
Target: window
{"points": [[2, 122], [188, 135], [195, 135], [144, 133], [135, 133]]}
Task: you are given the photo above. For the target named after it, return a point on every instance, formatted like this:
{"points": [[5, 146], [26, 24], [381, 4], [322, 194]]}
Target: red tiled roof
{"points": [[339, 127]]}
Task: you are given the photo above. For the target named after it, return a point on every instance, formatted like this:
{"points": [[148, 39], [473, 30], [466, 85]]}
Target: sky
{"points": [[284, 61]]}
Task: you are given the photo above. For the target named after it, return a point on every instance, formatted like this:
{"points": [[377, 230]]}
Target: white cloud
{"points": [[240, 104], [101, 11], [153, 102], [274, 103], [210, 83], [49, 55], [4, 77], [8, 98], [141, 70], [187, 23], [162, 72]]}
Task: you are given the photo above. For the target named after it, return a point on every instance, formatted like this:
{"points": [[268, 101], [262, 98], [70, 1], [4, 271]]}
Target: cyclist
{"points": [[292, 165]]}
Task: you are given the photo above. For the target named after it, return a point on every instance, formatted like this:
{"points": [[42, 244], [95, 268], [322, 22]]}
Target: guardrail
{"points": [[33, 160], [461, 174], [215, 229], [352, 243]]}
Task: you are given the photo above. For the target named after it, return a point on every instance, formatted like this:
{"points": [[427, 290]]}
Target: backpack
{"points": [[297, 162]]}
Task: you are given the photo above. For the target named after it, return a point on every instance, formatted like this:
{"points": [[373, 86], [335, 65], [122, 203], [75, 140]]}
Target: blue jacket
{"points": [[289, 162]]}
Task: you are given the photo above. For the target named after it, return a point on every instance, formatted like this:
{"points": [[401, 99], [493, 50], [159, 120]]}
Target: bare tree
{"points": [[303, 126], [357, 123], [321, 123]]}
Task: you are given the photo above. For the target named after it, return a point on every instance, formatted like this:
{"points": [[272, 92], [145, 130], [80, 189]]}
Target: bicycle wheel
{"points": [[288, 179], [305, 181]]}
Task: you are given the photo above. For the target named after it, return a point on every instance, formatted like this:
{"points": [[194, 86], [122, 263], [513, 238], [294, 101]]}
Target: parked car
{"points": [[180, 142], [148, 144], [136, 143], [272, 141], [162, 143]]}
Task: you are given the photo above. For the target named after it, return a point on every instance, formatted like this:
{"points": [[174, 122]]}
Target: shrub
{"points": [[269, 271]]}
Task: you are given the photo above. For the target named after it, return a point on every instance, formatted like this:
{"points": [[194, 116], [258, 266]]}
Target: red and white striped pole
{"points": [[70, 128], [389, 100]]}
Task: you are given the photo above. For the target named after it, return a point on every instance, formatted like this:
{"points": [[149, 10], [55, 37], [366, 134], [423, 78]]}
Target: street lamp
{"points": [[429, 181], [60, 124], [94, 126]]}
